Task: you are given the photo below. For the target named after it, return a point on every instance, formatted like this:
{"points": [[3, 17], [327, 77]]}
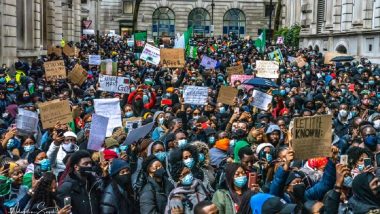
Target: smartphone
{"points": [[367, 162], [344, 159], [252, 179], [67, 201]]}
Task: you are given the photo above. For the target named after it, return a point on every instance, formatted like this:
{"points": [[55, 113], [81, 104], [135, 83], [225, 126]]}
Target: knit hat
{"points": [[70, 134], [76, 156], [110, 142], [170, 90], [118, 165], [109, 154], [222, 144]]}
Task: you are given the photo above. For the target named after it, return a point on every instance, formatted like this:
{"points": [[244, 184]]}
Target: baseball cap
{"points": [[268, 204]]}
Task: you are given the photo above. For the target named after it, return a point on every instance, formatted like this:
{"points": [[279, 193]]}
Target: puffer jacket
{"points": [[56, 154], [153, 197], [116, 200], [186, 197]]}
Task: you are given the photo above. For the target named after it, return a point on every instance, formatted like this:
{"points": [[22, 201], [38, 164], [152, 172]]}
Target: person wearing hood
{"points": [[274, 134], [342, 122], [370, 139], [366, 194], [160, 129], [62, 146], [266, 203], [218, 153]]}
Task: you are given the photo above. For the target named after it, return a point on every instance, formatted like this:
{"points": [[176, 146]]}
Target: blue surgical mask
{"points": [[201, 157], [167, 94], [89, 109], [189, 163], [128, 114], [160, 156], [45, 164], [354, 113], [187, 180], [181, 91], [268, 157], [378, 95], [370, 141], [371, 82], [222, 110], [196, 117], [344, 91], [282, 92], [133, 89], [29, 148], [145, 99], [161, 120], [123, 148], [182, 143], [211, 140], [117, 150], [361, 167], [288, 80], [307, 73], [11, 89], [2, 80], [240, 181]]}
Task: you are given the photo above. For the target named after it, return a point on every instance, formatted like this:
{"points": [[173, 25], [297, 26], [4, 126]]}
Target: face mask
{"points": [[123, 148], [2, 80], [123, 180], [201, 157], [40, 88], [376, 124], [145, 99], [361, 167], [299, 191], [5, 115], [196, 117], [85, 170], [371, 82], [211, 140], [240, 181], [29, 148], [12, 143], [133, 89], [187, 180], [282, 92], [167, 94], [117, 150], [159, 173], [189, 163], [343, 113], [68, 147], [288, 80], [371, 141], [182, 143], [160, 156], [89, 109], [222, 110], [354, 113], [344, 91], [128, 114], [161, 120], [45, 165], [307, 73], [181, 91], [268, 157]]}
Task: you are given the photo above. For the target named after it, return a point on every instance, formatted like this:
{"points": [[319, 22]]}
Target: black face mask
{"points": [[123, 180], [86, 170], [159, 173], [299, 191]]}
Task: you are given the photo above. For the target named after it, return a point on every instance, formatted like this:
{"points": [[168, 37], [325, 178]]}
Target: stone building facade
{"points": [[348, 26], [27, 27], [169, 17]]}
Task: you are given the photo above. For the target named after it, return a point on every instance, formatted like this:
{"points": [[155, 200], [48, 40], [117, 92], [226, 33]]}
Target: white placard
{"points": [[94, 59], [195, 95], [267, 69], [261, 100], [98, 132], [151, 54], [114, 84], [26, 121], [109, 108]]}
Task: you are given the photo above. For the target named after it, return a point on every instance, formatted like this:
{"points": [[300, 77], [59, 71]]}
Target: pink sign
{"points": [[241, 78]]}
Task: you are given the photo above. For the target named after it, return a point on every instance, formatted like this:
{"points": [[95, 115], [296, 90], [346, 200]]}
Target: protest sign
{"points": [[98, 132], [330, 55], [241, 78], [114, 84], [54, 50], [267, 69], [131, 42], [55, 70], [291, 59], [195, 95], [55, 111], [132, 123], [94, 59], [311, 136], [208, 63], [108, 67], [238, 69], [276, 56], [69, 51], [226, 95], [136, 134], [151, 54], [109, 108], [78, 75], [261, 100], [300, 62], [172, 58], [26, 122]]}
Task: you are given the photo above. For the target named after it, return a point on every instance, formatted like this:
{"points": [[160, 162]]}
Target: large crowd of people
{"points": [[210, 158]]}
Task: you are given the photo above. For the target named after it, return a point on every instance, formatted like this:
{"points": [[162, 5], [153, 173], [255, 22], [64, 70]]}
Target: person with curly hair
{"points": [[356, 156]]}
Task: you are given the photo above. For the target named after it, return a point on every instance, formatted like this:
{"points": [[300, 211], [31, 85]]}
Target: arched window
{"points": [[199, 20], [234, 22], [341, 49], [163, 22]]}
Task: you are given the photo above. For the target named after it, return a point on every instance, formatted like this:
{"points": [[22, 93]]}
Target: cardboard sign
{"points": [[208, 63], [312, 136], [151, 54], [330, 55], [55, 70], [53, 111], [54, 50], [69, 51], [172, 58], [267, 69], [195, 95], [78, 75], [94, 59], [238, 69], [109, 108], [26, 121], [300, 62], [114, 84], [261, 100], [226, 95], [98, 132]]}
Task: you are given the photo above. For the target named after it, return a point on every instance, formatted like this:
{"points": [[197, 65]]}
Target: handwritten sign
{"points": [[208, 63], [267, 69], [241, 78], [26, 121], [261, 100], [151, 54], [53, 111], [55, 70], [78, 75], [226, 95], [172, 58], [54, 50], [330, 55], [114, 84], [238, 69], [109, 108], [195, 95], [94, 59], [132, 123], [300, 62], [69, 51], [98, 132], [312, 136]]}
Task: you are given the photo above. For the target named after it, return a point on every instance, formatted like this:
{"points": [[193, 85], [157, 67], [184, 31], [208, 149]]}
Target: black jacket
{"points": [[153, 197], [84, 195], [116, 200]]}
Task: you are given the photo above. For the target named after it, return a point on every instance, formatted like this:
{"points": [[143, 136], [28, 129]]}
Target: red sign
{"points": [[87, 23]]}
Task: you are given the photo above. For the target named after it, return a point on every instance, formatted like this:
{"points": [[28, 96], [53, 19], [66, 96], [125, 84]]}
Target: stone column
{"points": [[77, 20], [346, 14], [376, 10], [368, 13], [8, 31], [337, 15], [357, 16], [37, 24], [329, 15]]}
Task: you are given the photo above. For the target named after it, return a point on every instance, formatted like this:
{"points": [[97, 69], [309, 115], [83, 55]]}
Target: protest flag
{"points": [[276, 56], [183, 41], [260, 42], [140, 38], [213, 48], [192, 52]]}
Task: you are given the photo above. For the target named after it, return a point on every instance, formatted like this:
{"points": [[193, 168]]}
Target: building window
{"points": [[369, 42], [268, 10], [127, 7], [234, 22], [83, 1], [163, 21], [199, 20]]}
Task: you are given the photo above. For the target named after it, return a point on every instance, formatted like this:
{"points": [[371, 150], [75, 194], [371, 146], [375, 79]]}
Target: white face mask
{"points": [[343, 113], [376, 124], [68, 147]]}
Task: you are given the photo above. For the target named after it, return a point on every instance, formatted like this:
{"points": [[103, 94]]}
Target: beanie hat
{"points": [[76, 156], [110, 142], [70, 134], [118, 165], [109, 154], [222, 144]]}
